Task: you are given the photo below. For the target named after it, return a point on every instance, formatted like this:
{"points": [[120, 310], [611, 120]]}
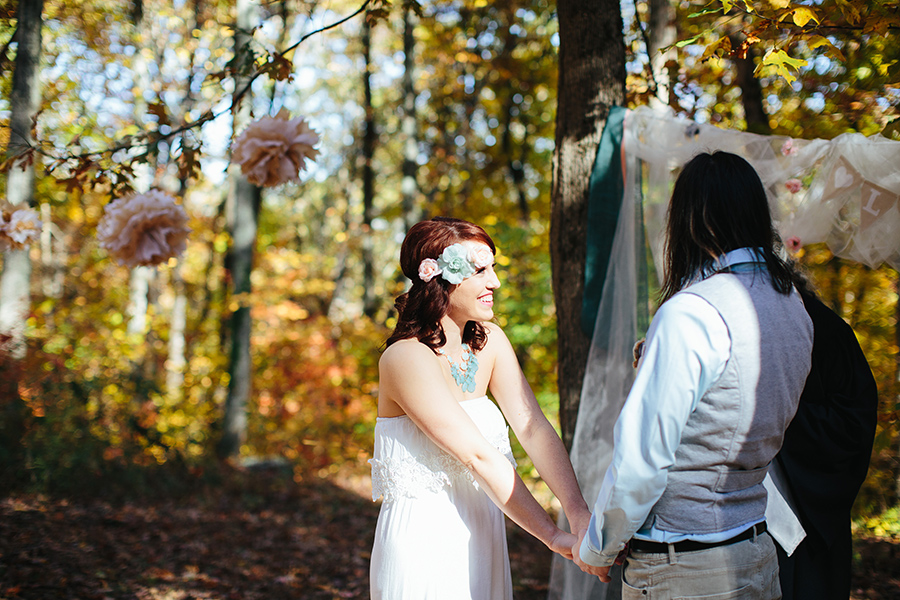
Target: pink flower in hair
{"points": [[481, 256], [793, 243], [428, 270]]}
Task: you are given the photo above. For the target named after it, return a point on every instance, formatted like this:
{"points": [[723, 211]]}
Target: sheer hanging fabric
{"points": [[844, 192]]}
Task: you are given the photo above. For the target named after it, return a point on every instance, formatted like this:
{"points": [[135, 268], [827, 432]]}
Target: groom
{"points": [[722, 369]]}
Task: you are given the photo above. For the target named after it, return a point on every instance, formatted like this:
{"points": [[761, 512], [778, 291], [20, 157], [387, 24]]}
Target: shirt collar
{"points": [[740, 256]]}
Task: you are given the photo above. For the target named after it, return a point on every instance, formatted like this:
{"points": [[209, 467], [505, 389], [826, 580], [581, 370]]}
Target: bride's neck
{"points": [[453, 332]]}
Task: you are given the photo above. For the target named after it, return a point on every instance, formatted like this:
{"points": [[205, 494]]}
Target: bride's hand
{"points": [[562, 543]]}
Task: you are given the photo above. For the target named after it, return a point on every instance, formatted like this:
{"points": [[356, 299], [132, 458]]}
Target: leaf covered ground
{"points": [[247, 536]]}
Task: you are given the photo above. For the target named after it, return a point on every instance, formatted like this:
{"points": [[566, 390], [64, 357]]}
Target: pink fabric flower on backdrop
{"points": [[428, 269], [143, 229], [481, 256], [793, 185], [273, 150], [788, 148], [19, 228], [793, 243]]}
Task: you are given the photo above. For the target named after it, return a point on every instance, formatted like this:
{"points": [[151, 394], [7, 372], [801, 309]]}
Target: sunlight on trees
{"points": [[460, 118]]}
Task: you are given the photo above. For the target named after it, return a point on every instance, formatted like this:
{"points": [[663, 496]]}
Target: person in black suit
{"points": [[825, 456]]}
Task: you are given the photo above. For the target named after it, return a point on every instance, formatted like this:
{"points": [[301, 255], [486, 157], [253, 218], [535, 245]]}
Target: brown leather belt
{"points": [[647, 547]]}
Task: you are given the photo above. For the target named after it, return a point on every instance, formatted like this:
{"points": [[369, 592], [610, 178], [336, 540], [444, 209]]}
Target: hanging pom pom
{"points": [[143, 229], [19, 227], [273, 150]]}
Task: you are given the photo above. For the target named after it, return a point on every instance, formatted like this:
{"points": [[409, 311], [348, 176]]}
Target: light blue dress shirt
{"points": [[686, 350]]}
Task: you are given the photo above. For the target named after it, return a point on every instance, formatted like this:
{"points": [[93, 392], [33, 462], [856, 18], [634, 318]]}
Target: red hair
{"points": [[419, 310]]}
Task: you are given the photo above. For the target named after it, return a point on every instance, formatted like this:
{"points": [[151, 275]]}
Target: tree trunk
{"points": [[511, 110], [662, 34], [368, 176], [143, 279], [751, 91], [15, 279], [591, 80], [53, 255], [409, 187], [24, 101], [242, 215], [177, 360]]}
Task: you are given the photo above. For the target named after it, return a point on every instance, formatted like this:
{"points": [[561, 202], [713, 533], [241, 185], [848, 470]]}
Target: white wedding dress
{"points": [[439, 536]]}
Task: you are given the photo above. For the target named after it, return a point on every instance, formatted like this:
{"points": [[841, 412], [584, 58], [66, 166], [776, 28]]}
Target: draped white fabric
{"points": [[844, 192]]}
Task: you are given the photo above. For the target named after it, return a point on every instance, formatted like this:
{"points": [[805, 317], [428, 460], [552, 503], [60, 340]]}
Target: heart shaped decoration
{"points": [[842, 177]]}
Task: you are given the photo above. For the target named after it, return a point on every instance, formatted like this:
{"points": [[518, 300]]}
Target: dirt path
{"points": [[248, 538]]}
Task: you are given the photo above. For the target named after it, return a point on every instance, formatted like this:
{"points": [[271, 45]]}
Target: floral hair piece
{"points": [[456, 263]]}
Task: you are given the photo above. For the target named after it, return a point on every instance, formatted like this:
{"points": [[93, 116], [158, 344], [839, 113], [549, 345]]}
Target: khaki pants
{"points": [[747, 569]]}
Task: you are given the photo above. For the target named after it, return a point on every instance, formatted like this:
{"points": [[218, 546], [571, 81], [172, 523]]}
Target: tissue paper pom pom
{"points": [[273, 150], [143, 229], [19, 228]]}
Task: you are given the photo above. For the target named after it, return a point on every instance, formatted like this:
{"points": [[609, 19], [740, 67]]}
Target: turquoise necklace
{"points": [[463, 373]]}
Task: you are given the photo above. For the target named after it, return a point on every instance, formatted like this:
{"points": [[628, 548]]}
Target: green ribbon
{"points": [[604, 201]]}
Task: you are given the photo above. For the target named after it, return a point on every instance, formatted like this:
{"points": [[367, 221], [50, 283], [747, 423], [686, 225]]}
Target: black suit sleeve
{"points": [[827, 446]]}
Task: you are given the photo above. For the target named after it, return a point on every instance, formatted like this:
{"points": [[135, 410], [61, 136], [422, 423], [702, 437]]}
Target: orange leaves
{"points": [[158, 110], [719, 48], [851, 12], [780, 25], [278, 67], [188, 162]]}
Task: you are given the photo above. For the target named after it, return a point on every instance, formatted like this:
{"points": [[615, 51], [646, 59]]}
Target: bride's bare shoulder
{"points": [[405, 353]]}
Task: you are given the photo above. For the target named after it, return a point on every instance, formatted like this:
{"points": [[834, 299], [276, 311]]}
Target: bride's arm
{"points": [[537, 436], [411, 376]]}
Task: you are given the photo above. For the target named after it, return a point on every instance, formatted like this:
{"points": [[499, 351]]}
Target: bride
{"points": [[442, 459]]}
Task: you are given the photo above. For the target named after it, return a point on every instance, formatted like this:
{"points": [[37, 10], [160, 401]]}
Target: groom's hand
{"points": [[601, 572]]}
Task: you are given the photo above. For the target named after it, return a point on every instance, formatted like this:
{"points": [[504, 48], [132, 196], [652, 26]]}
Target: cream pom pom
{"points": [[143, 229], [19, 227], [273, 150]]}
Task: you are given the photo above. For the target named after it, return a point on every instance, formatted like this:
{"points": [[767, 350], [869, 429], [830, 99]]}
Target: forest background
{"points": [[259, 344]]}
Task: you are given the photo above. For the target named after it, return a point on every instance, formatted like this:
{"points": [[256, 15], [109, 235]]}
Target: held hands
{"points": [[601, 572], [562, 543]]}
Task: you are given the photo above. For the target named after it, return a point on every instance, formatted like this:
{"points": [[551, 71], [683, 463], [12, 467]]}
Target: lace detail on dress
{"points": [[411, 476]]}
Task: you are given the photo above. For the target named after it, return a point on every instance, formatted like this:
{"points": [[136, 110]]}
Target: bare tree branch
{"points": [[152, 138]]}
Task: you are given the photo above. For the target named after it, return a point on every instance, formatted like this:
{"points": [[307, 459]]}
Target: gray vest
{"points": [[737, 428]]}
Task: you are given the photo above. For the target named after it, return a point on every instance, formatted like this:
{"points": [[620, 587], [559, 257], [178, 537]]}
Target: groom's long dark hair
{"points": [[718, 205]]}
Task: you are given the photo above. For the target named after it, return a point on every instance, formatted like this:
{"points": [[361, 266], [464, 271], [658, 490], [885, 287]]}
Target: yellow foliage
{"points": [[818, 41], [803, 15], [782, 63]]}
